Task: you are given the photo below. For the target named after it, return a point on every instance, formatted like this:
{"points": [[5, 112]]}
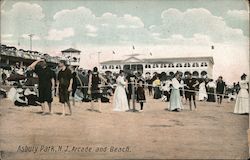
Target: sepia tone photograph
{"points": [[124, 79]]}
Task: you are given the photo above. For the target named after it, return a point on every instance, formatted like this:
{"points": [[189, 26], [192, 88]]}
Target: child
{"points": [[141, 94]]}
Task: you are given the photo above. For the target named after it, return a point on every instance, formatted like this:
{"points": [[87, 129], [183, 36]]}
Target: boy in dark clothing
{"points": [[191, 83], [220, 88], [141, 98]]}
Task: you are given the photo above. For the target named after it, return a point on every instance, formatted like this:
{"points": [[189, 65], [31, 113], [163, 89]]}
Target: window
{"points": [[111, 67], [196, 74], [187, 65], [171, 65], [179, 65], [155, 66], [203, 73], [195, 64], [203, 64]]}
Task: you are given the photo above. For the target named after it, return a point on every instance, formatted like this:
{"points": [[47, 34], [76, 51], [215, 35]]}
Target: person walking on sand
{"points": [[220, 89], [211, 91], [141, 98], [120, 97], [202, 91], [191, 84], [46, 83], [175, 98], [94, 88], [242, 100], [65, 85]]}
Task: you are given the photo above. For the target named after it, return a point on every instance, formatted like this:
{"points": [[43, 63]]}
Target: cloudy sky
{"points": [[169, 28]]}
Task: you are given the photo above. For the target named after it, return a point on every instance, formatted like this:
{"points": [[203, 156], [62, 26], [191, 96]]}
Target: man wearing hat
{"points": [[45, 82]]}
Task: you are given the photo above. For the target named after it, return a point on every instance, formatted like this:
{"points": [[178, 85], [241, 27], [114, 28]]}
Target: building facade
{"points": [[72, 56], [198, 66]]}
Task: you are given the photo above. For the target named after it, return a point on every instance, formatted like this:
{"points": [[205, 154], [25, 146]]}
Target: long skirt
{"points": [[157, 93], [211, 97], [202, 94], [175, 100], [241, 105], [120, 99]]}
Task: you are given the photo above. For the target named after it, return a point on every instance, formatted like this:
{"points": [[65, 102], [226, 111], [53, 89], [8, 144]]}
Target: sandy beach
{"points": [[211, 132]]}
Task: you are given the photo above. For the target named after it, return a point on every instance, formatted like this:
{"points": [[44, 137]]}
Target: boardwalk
{"points": [[210, 132]]}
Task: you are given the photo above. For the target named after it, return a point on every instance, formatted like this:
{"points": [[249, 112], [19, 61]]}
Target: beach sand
{"points": [[208, 133]]}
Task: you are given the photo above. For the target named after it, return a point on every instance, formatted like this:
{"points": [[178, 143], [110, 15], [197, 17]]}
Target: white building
{"points": [[198, 66], [72, 56]]}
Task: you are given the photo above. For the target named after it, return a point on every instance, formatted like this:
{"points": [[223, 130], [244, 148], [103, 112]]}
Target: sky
{"points": [[165, 28]]}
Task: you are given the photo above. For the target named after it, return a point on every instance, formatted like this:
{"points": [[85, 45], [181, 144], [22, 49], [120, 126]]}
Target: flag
{"points": [[133, 47], [150, 54], [113, 52], [212, 47]]}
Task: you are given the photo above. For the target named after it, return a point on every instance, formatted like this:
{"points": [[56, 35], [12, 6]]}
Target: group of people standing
{"points": [[218, 89], [47, 82], [65, 83], [126, 88], [130, 85], [174, 89]]}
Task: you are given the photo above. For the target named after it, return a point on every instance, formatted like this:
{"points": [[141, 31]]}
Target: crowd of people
{"points": [[38, 83]]}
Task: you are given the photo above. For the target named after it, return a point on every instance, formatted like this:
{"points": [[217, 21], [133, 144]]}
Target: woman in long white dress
{"points": [[202, 91], [175, 98], [241, 105], [120, 97]]}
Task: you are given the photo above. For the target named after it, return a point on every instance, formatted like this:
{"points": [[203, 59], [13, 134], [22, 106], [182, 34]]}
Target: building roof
{"points": [[177, 59], [71, 50], [162, 60]]}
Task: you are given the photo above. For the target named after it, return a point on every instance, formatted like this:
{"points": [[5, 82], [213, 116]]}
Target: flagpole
{"points": [[133, 48], [99, 65]]}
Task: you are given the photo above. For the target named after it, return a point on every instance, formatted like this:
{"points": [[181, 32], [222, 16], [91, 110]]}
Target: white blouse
{"points": [[176, 84]]}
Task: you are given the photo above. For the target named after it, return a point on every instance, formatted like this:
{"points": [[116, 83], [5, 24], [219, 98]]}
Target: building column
{"points": [[143, 70], [7, 61]]}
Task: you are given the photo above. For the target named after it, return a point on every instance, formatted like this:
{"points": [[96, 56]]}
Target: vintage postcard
{"points": [[124, 79]]}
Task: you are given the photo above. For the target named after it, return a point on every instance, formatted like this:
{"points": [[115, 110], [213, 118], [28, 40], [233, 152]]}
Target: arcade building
{"points": [[200, 67]]}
